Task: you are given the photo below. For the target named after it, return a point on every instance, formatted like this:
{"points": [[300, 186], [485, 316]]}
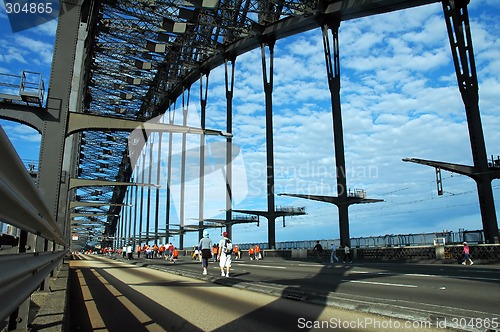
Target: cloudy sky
{"points": [[399, 99]]}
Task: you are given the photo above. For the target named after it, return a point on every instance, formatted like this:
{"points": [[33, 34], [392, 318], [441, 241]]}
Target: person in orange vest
{"points": [[139, 251], [155, 250], [257, 252], [251, 253], [175, 255], [215, 250], [236, 252], [161, 250]]}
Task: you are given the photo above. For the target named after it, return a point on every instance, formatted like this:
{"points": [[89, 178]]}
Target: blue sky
{"points": [[399, 99]]}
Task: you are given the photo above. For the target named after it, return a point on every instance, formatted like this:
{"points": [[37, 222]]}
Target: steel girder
{"points": [[143, 55]]}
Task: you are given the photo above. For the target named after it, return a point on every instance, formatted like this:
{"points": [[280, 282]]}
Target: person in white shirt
{"points": [[347, 253], [333, 254], [224, 254]]}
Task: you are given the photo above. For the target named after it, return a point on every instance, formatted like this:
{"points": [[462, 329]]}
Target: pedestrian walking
{"points": [[170, 249], [215, 250], [129, 252], [224, 254], [175, 255], [347, 253], [139, 251], [333, 254], [237, 252], [466, 251], [258, 255], [251, 253], [161, 250], [318, 248], [196, 253], [205, 246]]}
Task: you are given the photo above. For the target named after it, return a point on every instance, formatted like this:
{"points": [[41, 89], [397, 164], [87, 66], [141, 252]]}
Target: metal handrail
{"points": [[14, 266], [22, 204], [22, 274]]}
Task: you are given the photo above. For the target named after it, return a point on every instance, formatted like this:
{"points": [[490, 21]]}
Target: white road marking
{"points": [[268, 266], [379, 283], [315, 265], [426, 275]]}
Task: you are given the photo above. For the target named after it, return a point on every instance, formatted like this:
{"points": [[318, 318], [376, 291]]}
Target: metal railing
{"points": [[28, 87], [390, 240], [40, 244]]}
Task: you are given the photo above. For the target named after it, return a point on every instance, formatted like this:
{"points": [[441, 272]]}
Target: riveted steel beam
{"points": [[73, 205], [80, 122], [75, 183], [90, 214]]}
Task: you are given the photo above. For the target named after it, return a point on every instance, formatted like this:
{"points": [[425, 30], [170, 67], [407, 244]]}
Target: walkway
{"points": [[115, 295]]}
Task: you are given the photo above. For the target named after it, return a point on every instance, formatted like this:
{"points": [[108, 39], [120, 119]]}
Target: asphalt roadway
{"points": [[114, 294]]}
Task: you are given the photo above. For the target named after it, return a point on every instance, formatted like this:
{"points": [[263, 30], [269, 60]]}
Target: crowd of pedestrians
{"points": [[319, 253], [224, 252]]}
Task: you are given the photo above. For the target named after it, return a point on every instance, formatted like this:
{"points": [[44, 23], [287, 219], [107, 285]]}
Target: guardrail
{"points": [[26, 88], [22, 203], [446, 254], [40, 245], [22, 274]]}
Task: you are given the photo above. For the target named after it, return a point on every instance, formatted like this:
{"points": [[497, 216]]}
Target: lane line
{"points": [[267, 266], [380, 283], [426, 275]]}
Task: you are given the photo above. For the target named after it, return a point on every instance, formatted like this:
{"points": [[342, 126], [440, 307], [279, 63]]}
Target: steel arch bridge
{"points": [[121, 63]]}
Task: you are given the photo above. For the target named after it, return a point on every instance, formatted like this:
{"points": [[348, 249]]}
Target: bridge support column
{"points": [[58, 105], [268, 90], [185, 107], [126, 215], [157, 197], [150, 175], [169, 177], [201, 197], [457, 23], [333, 73], [143, 166], [137, 237], [229, 81], [130, 223]]}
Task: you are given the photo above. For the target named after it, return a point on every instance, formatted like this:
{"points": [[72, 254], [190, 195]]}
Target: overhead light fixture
{"points": [[173, 26], [155, 47], [134, 80], [208, 4], [141, 64], [125, 95]]}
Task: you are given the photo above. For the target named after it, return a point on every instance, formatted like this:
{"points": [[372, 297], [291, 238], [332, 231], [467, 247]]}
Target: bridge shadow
{"points": [[91, 297], [298, 303], [298, 299]]}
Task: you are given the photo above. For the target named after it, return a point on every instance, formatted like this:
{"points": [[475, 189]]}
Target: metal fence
{"points": [[27, 264], [383, 241]]}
